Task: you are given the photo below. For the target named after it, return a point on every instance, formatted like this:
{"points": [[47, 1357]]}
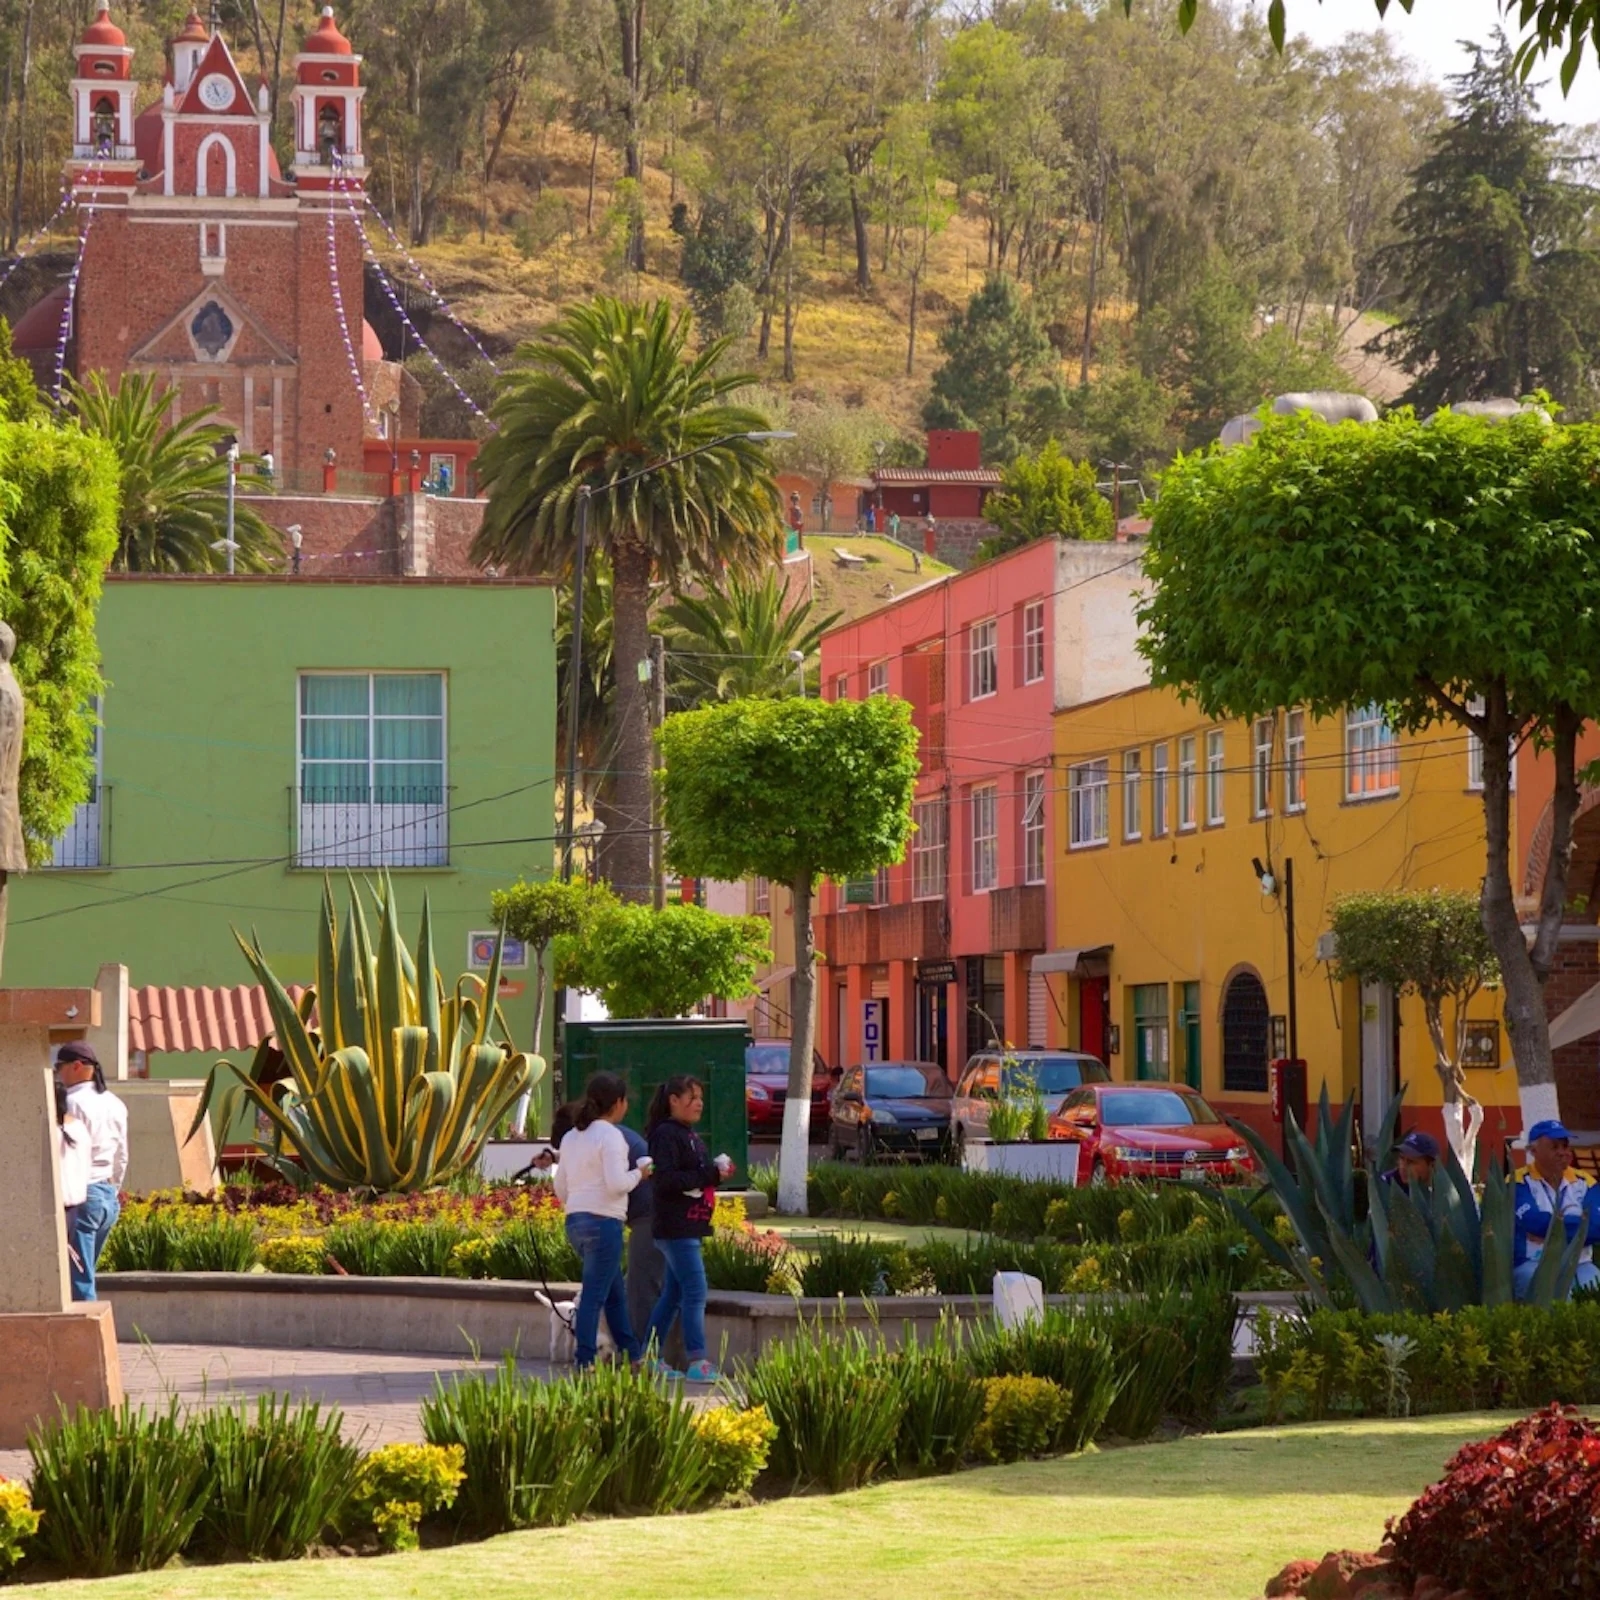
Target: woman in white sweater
{"points": [[593, 1180], [106, 1121]]}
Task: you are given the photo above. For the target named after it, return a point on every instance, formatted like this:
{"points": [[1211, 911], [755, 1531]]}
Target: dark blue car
{"points": [[892, 1108]]}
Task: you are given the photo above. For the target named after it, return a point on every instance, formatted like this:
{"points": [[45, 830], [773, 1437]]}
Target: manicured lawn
{"points": [[1203, 1519]]}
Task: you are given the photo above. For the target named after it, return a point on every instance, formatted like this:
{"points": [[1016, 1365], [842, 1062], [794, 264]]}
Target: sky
{"points": [[1429, 36]]}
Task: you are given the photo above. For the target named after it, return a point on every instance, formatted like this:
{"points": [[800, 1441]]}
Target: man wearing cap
{"points": [[1549, 1203], [1414, 1159]]}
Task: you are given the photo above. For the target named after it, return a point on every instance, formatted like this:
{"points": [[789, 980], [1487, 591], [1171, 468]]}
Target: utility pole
{"points": [[658, 715], [1288, 921]]}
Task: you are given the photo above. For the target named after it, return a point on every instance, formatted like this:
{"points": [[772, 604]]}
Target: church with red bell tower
{"points": [[240, 286]]}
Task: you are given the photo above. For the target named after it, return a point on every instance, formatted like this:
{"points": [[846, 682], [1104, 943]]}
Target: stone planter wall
{"points": [[1054, 1161]]}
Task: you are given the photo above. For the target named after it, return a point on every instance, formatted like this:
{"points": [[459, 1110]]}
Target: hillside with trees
{"points": [[1161, 227]]}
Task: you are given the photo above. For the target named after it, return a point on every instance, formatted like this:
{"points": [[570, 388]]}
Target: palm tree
{"points": [[610, 388], [740, 641], [173, 482]]}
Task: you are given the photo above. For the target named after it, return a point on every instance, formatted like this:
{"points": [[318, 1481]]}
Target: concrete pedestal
{"points": [[55, 1359], [160, 1153]]}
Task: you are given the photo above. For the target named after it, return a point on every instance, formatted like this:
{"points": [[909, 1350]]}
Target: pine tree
{"points": [[1494, 263]]}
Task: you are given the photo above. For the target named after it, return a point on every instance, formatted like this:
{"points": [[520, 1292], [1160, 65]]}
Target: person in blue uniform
{"points": [[1551, 1204], [1414, 1160]]}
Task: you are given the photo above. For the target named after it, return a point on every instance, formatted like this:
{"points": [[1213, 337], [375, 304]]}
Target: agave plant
{"points": [[387, 1082], [1438, 1247]]}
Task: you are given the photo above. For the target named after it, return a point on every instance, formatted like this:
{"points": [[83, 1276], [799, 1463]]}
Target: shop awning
{"points": [[1068, 960], [1578, 1021]]}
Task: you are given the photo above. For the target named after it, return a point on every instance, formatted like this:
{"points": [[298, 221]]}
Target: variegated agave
{"points": [[390, 1083]]}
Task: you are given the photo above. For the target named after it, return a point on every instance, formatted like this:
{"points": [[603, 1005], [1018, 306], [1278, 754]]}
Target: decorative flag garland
{"points": [[344, 325], [64, 336]]}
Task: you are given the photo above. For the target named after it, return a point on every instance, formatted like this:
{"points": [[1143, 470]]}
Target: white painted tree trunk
{"points": [[794, 1154], [1462, 1121], [1538, 1102]]}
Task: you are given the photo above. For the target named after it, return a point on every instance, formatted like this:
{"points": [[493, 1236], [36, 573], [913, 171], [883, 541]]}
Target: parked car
{"points": [[1056, 1072], [1149, 1130], [766, 1088], [892, 1107]]}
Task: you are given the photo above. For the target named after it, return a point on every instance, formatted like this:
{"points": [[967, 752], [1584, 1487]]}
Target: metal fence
{"points": [[370, 827]]}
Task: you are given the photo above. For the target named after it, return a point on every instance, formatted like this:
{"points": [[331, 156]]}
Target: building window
{"points": [[1159, 798], [372, 770], [1187, 783], [1475, 753], [1261, 766], [880, 887], [1294, 761], [985, 839], [927, 850], [1245, 1028], [80, 845], [1033, 827], [1152, 1037], [985, 650], [1214, 776], [1372, 754], [1033, 641], [763, 897], [1088, 788], [1132, 782], [878, 678]]}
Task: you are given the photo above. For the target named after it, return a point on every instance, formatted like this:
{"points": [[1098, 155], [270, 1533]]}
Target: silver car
{"points": [[1014, 1072]]}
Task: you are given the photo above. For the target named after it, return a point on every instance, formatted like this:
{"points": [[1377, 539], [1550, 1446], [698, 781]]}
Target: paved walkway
{"points": [[378, 1392]]}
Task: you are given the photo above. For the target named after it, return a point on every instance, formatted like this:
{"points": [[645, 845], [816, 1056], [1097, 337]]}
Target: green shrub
{"points": [[534, 1250], [738, 1263], [302, 1253], [279, 1476], [1021, 1417], [835, 1405], [397, 1485], [646, 1435], [942, 1403], [422, 1249], [764, 1178], [843, 1263], [528, 1448], [361, 1247], [1153, 1359], [215, 1242], [18, 1522], [1074, 1349], [147, 1243], [119, 1490], [736, 1444]]}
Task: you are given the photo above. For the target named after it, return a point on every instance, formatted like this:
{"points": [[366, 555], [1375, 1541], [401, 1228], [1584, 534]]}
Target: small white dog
{"points": [[563, 1318]]}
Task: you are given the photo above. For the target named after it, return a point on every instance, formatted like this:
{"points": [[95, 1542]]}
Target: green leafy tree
{"points": [[1046, 496], [19, 392], [608, 389], [173, 481], [998, 371], [790, 790], [647, 963], [1495, 257], [1446, 571], [1430, 943], [719, 255], [830, 442], [58, 531], [739, 641]]}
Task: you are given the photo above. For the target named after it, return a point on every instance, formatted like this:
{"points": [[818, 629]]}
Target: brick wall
{"points": [[1576, 971], [454, 525], [341, 537]]}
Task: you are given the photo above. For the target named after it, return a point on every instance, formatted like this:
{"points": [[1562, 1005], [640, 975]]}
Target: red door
{"points": [[1094, 1010]]}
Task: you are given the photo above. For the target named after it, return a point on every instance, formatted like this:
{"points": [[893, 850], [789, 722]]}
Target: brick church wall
{"points": [[340, 537], [1576, 971]]}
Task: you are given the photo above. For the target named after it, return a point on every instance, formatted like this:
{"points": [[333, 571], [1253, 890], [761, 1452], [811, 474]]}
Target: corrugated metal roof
{"points": [[914, 475], [205, 1020]]}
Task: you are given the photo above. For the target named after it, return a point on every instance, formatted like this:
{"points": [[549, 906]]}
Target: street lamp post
{"points": [[227, 543]]}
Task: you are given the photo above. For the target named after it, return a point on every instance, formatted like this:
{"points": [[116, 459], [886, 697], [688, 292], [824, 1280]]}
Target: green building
{"points": [[257, 731]]}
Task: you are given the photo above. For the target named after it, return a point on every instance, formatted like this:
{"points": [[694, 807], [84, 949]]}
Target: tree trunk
{"points": [[858, 218], [629, 856], [630, 20], [911, 322], [795, 1152], [1523, 970], [1463, 1115], [594, 161], [1089, 296], [22, 126]]}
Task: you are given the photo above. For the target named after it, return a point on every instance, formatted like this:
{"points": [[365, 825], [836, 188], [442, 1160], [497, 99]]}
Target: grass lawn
{"points": [[1202, 1519]]}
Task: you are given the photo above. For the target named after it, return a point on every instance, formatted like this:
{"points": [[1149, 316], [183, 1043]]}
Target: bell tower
{"points": [[103, 89], [327, 109]]}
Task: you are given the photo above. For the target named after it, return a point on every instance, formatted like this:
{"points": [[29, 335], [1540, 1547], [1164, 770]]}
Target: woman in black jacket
{"points": [[685, 1186]]}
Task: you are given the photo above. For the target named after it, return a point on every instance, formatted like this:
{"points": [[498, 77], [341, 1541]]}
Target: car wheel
{"points": [[864, 1146], [957, 1146], [1097, 1175]]}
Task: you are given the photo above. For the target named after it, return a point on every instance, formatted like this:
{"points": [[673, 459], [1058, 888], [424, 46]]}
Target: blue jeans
{"points": [[598, 1241], [88, 1227], [1588, 1275], [684, 1291]]}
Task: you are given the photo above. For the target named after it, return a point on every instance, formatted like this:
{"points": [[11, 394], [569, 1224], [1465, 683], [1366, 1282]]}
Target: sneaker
{"points": [[702, 1371], [651, 1367]]}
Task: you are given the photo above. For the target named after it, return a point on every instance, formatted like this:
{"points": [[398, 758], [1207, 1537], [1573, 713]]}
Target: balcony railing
{"points": [[86, 841], [1016, 918], [407, 827]]}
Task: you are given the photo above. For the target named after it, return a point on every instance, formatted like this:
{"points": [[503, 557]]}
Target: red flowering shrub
{"points": [[1515, 1515]]}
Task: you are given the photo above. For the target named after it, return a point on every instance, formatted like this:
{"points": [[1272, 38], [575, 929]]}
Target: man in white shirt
{"points": [[106, 1118]]}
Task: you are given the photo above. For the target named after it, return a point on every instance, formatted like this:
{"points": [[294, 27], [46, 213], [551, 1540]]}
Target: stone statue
{"points": [[13, 851]]}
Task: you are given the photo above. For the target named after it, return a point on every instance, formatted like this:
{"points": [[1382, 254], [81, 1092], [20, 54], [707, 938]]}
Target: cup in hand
{"points": [[724, 1164], [644, 1164]]}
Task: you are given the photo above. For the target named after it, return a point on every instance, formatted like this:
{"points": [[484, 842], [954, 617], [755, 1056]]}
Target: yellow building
{"points": [[1170, 958]]}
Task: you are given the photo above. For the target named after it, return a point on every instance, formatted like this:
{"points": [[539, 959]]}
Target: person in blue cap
{"points": [[1414, 1160], [1548, 1202]]}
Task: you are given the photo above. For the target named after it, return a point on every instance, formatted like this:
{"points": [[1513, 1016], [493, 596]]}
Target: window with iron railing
{"points": [[82, 842], [372, 788]]}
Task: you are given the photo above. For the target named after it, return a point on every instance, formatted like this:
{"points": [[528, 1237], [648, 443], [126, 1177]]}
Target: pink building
{"points": [[933, 958]]}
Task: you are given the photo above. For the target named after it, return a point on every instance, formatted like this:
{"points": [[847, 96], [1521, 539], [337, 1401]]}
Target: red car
{"points": [[766, 1088], [1149, 1130]]}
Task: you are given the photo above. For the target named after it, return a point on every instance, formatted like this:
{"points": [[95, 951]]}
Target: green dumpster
{"points": [[647, 1052]]}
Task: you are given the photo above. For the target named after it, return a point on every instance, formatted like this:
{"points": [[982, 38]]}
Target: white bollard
{"points": [[1016, 1298]]}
